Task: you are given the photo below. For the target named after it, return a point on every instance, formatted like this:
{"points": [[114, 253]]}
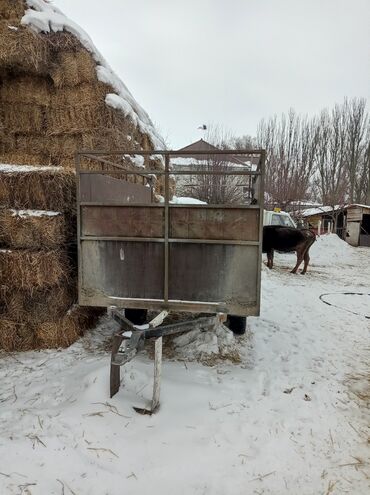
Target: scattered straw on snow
{"points": [[207, 346]]}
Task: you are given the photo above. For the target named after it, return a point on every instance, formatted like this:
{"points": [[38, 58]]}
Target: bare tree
{"points": [[219, 187], [362, 188], [356, 131], [330, 156], [218, 135], [290, 145], [245, 142], [325, 158]]}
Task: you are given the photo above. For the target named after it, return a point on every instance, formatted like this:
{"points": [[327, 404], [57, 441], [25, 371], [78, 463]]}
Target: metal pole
{"points": [[79, 230], [166, 226], [261, 211]]}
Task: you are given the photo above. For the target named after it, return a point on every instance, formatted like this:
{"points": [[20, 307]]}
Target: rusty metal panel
{"points": [[214, 223], [104, 188], [365, 240], [215, 273], [124, 221], [122, 269]]}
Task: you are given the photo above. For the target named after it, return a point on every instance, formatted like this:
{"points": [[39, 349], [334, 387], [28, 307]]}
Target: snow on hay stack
{"points": [[57, 94]]}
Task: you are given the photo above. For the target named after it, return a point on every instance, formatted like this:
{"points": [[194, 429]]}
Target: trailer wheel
{"points": [[136, 316], [237, 324]]}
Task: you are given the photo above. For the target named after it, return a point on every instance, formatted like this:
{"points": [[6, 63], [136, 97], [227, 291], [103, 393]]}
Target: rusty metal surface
{"points": [[122, 221], [123, 269], [96, 298], [216, 223], [103, 188], [364, 240], [137, 254], [214, 273]]}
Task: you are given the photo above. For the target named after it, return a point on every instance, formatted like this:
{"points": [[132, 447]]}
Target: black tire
{"points": [[237, 324], [136, 316]]}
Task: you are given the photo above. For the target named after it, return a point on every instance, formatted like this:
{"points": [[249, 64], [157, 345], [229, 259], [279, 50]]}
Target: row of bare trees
{"points": [[325, 158]]}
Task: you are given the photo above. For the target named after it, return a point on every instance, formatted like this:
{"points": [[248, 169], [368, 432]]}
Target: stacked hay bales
{"points": [[57, 95], [38, 287]]}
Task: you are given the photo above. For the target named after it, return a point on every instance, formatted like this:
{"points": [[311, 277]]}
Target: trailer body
{"points": [[135, 252]]}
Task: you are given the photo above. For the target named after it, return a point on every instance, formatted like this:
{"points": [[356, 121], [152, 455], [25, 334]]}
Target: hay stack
{"points": [[53, 101], [37, 188], [38, 287], [32, 229]]}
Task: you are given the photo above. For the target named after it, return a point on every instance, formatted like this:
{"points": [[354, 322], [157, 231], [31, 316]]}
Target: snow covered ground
{"points": [[291, 418]]}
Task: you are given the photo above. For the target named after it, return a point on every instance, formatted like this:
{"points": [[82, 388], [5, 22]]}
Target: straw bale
{"points": [[73, 68], [13, 9], [63, 40], [39, 306], [28, 89], [16, 336], [59, 149], [60, 333], [31, 270], [7, 141], [86, 93], [22, 159], [111, 138], [54, 147], [56, 150], [32, 232], [67, 330], [23, 143], [61, 145], [22, 117], [78, 118], [67, 162], [39, 189], [23, 49]]}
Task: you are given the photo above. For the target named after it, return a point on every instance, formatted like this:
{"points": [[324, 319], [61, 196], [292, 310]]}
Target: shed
{"points": [[358, 225], [350, 222]]}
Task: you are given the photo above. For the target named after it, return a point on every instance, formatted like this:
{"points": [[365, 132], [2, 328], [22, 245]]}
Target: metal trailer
{"points": [[134, 252]]}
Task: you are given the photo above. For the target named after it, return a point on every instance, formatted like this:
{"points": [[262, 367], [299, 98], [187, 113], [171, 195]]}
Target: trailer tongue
{"points": [[131, 339]]}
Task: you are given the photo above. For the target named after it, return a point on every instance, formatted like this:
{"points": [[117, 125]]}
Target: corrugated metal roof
{"points": [[329, 209]]}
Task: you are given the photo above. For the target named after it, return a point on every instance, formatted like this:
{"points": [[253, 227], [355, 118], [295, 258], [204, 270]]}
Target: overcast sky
{"points": [[230, 62]]}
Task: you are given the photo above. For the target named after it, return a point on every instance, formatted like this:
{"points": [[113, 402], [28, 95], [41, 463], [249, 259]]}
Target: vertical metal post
{"points": [[166, 226], [261, 212], [78, 207]]}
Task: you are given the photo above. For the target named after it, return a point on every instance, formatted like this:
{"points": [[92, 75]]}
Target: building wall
{"points": [[353, 229], [354, 214]]}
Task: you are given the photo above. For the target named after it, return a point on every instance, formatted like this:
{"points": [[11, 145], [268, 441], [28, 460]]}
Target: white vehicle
{"points": [[278, 218]]}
